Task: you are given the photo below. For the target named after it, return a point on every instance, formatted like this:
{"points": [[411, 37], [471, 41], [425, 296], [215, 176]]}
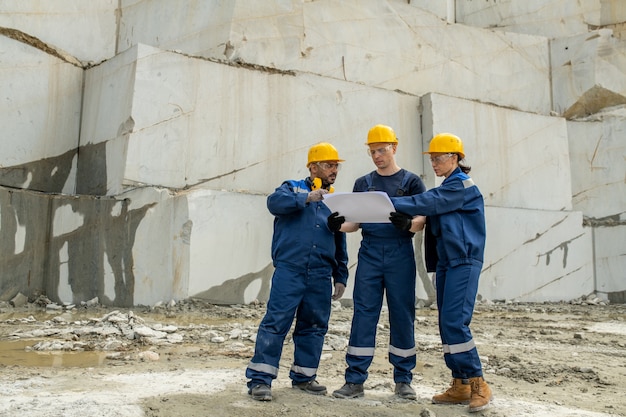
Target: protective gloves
{"points": [[401, 221], [335, 221]]}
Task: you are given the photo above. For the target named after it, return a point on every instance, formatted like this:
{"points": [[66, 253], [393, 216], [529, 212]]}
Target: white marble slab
{"points": [[244, 131], [536, 255], [535, 17], [552, 19], [518, 159], [108, 99], [612, 12], [588, 73], [230, 246], [160, 246], [207, 24], [441, 9], [23, 228], [107, 117], [379, 43], [39, 109], [597, 149], [190, 146], [163, 246], [84, 29], [610, 259]]}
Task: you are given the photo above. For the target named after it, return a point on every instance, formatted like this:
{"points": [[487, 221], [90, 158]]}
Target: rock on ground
{"points": [[188, 359]]}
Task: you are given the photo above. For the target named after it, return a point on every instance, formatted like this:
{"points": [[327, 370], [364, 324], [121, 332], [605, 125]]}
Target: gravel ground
{"points": [[188, 359]]}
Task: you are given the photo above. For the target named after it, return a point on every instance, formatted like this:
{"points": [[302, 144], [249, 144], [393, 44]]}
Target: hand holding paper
{"points": [[402, 221], [335, 221]]}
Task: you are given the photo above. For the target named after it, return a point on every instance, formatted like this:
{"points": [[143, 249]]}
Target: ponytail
{"points": [[465, 168]]}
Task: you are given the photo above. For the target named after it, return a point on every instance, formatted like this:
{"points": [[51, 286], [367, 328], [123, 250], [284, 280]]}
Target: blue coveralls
{"points": [[456, 217], [386, 263], [306, 256]]}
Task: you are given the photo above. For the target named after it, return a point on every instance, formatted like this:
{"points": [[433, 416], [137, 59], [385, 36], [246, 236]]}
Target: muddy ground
{"points": [[548, 359]]}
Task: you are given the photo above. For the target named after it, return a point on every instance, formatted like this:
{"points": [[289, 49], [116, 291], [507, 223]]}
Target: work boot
{"points": [[312, 387], [349, 391], [458, 393], [404, 390], [261, 392], [481, 394]]}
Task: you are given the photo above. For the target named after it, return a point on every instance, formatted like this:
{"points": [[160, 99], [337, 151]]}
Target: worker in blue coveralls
{"points": [[456, 223], [310, 258], [386, 265]]}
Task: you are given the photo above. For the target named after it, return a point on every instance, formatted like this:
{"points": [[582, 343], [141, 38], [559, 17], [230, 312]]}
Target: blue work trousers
{"points": [[457, 287], [384, 266], [306, 295]]}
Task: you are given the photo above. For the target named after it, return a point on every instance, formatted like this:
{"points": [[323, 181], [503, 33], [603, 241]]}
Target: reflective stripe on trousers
{"points": [[384, 266], [456, 294], [305, 295]]}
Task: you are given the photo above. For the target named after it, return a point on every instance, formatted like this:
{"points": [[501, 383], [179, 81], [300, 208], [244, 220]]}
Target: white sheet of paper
{"points": [[367, 207]]}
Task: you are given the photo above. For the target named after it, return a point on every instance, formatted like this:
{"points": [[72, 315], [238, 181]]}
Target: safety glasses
{"points": [[381, 151], [440, 159], [326, 166]]}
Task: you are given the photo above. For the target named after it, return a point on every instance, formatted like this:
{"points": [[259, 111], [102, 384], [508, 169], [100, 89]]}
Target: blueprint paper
{"points": [[368, 207]]}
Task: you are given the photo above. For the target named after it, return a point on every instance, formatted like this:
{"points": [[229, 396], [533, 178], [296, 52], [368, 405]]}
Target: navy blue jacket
{"points": [[456, 214], [302, 238]]}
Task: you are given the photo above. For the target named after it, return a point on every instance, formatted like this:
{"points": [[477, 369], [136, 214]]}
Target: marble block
{"points": [[190, 113], [205, 25], [597, 149], [588, 73], [162, 118], [40, 118], [536, 255], [84, 29], [23, 239], [551, 19], [146, 246], [125, 250], [200, 243], [518, 159], [612, 12], [107, 123], [230, 237], [610, 261], [387, 44]]}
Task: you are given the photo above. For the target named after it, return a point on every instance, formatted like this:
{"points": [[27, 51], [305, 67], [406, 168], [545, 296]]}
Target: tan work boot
{"points": [[458, 393], [481, 394]]}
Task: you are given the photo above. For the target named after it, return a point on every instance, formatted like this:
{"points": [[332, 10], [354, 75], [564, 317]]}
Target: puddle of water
{"points": [[12, 353]]}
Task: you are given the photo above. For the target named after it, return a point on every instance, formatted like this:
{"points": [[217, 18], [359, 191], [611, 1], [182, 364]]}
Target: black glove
{"points": [[401, 221], [335, 221]]}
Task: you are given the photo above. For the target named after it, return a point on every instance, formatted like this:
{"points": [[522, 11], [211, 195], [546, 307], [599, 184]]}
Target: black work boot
{"points": [[349, 391], [261, 392], [312, 387], [404, 390]]}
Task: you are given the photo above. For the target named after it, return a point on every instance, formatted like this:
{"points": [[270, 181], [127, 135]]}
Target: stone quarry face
{"points": [[138, 157]]}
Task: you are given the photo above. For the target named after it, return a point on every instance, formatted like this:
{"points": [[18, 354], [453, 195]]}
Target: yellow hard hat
{"points": [[446, 143], [323, 151], [381, 134]]}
